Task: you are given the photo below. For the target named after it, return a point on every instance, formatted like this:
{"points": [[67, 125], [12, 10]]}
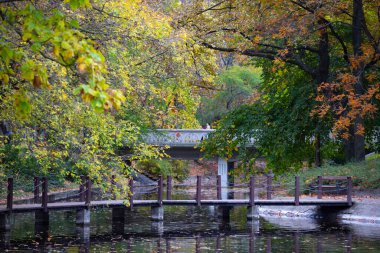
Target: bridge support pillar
{"points": [[83, 216], [223, 173], [252, 213], [41, 223], [253, 226], [157, 227], [223, 212], [157, 213], [224, 217], [5, 239], [5, 221], [118, 220], [83, 233]]}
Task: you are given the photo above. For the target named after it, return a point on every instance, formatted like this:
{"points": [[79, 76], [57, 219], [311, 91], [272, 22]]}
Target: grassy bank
{"points": [[366, 174]]}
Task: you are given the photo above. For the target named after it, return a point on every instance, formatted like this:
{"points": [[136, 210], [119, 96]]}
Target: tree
{"points": [[352, 98], [38, 33], [235, 86], [279, 121], [125, 62], [302, 33]]}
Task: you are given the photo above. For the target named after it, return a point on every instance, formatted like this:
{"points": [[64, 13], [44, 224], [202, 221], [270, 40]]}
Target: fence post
{"points": [[81, 188], [320, 187], [297, 191], [131, 190], [113, 186], [219, 187], [10, 194], [159, 193], [169, 188], [252, 191], [269, 186], [198, 195], [44, 193], [88, 191], [36, 182], [349, 190]]}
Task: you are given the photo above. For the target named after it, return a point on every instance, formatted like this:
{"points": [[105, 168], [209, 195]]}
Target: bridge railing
{"points": [[84, 192], [180, 137], [177, 137]]}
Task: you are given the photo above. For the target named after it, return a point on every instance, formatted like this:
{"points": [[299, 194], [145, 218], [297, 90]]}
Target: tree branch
{"points": [[268, 54], [341, 42], [210, 8]]}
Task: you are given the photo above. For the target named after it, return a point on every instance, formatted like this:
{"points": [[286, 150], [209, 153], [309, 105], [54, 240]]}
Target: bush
{"points": [[176, 168]]}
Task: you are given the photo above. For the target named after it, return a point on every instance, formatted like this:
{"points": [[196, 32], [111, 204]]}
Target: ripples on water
{"points": [[189, 229]]}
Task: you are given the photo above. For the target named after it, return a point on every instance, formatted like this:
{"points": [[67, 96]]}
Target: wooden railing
{"points": [[85, 190], [348, 179]]}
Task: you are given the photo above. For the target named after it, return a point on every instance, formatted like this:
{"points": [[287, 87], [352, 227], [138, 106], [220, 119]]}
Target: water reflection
{"points": [[183, 230]]}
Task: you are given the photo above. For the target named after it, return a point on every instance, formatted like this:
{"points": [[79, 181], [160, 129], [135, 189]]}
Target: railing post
{"points": [[10, 194], [320, 187], [88, 191], [131, 190], [269, 186], [113, 185], [44, 193], [159, 193], [81, 188], [169, 188], [198, 194], [219, 187], [349, 190], [297, 191], [252, 191], [36, 190]]}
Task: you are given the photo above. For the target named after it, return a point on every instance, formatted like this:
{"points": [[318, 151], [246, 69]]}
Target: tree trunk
{"points": [[322, 76], [349, 146], [357, 21], [318, 161]]}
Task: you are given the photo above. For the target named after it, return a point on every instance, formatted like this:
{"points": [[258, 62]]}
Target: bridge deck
{"points": [[120, 203]]}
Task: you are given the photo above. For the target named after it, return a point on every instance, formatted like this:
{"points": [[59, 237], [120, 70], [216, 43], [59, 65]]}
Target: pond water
{"points": [[187, 229]]}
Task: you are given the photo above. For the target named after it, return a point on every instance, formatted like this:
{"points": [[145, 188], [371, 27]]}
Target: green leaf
{"points": [[74, 4], [36, 47], [74, 23]]}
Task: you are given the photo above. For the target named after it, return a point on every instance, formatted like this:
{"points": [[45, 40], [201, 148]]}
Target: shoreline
{"points": [[362, 212]]}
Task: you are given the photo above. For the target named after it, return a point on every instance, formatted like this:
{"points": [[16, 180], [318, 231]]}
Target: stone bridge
{"points": [[183, 144]]}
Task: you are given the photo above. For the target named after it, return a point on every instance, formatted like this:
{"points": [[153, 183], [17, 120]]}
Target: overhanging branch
{"points": [[264, 53]]}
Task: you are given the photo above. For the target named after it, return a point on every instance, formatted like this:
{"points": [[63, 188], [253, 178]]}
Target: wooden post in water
{"points": [[157, 212], [83, 214], [252, 210], [169, 188], [131, 190], [88, 191], [252, 191], [81, 188], [320, 187], [219, 187], [269, 186], [36, 190], [349, 190], [199, 190], [297, 191], [159, 193], [44, 193], [10, 194]]}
